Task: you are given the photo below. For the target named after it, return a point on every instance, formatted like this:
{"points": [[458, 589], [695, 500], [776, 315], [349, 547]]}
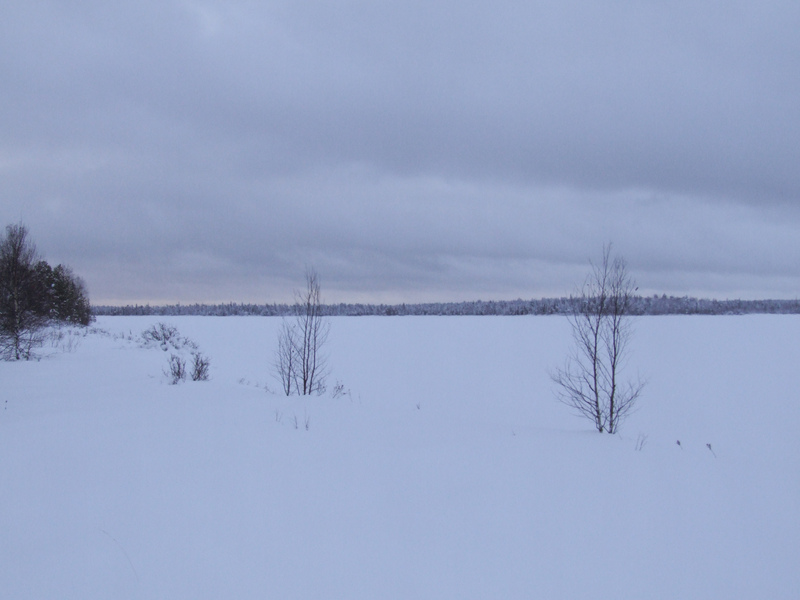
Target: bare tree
{"points": [[21, 316], [285, 356], [299, 360], [601, 329], [313, 330]]}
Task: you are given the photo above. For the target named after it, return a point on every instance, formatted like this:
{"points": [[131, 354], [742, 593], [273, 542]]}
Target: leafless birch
{"points": [[601, 329], [285, 357], [300, 362]]}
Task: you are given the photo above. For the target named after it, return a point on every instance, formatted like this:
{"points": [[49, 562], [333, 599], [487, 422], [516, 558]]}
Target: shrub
{"points": [[163, 335], [177, 369], [200, 366]]}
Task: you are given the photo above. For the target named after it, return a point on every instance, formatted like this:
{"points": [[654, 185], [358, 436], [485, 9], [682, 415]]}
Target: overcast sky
{"points": [[173, 150]]}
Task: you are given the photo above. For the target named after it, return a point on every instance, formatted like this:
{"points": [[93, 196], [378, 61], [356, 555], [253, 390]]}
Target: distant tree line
{"points": [[33, 295], [640, 305]]}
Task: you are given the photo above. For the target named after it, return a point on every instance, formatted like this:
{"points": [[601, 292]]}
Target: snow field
{"points": [[447, 471]]}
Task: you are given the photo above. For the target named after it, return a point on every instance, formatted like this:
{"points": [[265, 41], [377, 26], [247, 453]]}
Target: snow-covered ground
{"points": [[447, 471]]}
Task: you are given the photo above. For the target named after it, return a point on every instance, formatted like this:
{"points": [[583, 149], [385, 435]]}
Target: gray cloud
{"points": [[207, 150]]}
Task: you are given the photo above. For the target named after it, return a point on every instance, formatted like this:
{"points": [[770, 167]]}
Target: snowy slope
{"points": [[448, 471]]}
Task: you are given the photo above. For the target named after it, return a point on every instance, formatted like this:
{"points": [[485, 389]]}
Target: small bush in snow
{"points": [[161, 334], [339, 390], [165, 335], [177, 369], [65, 339], [200, 366]]}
